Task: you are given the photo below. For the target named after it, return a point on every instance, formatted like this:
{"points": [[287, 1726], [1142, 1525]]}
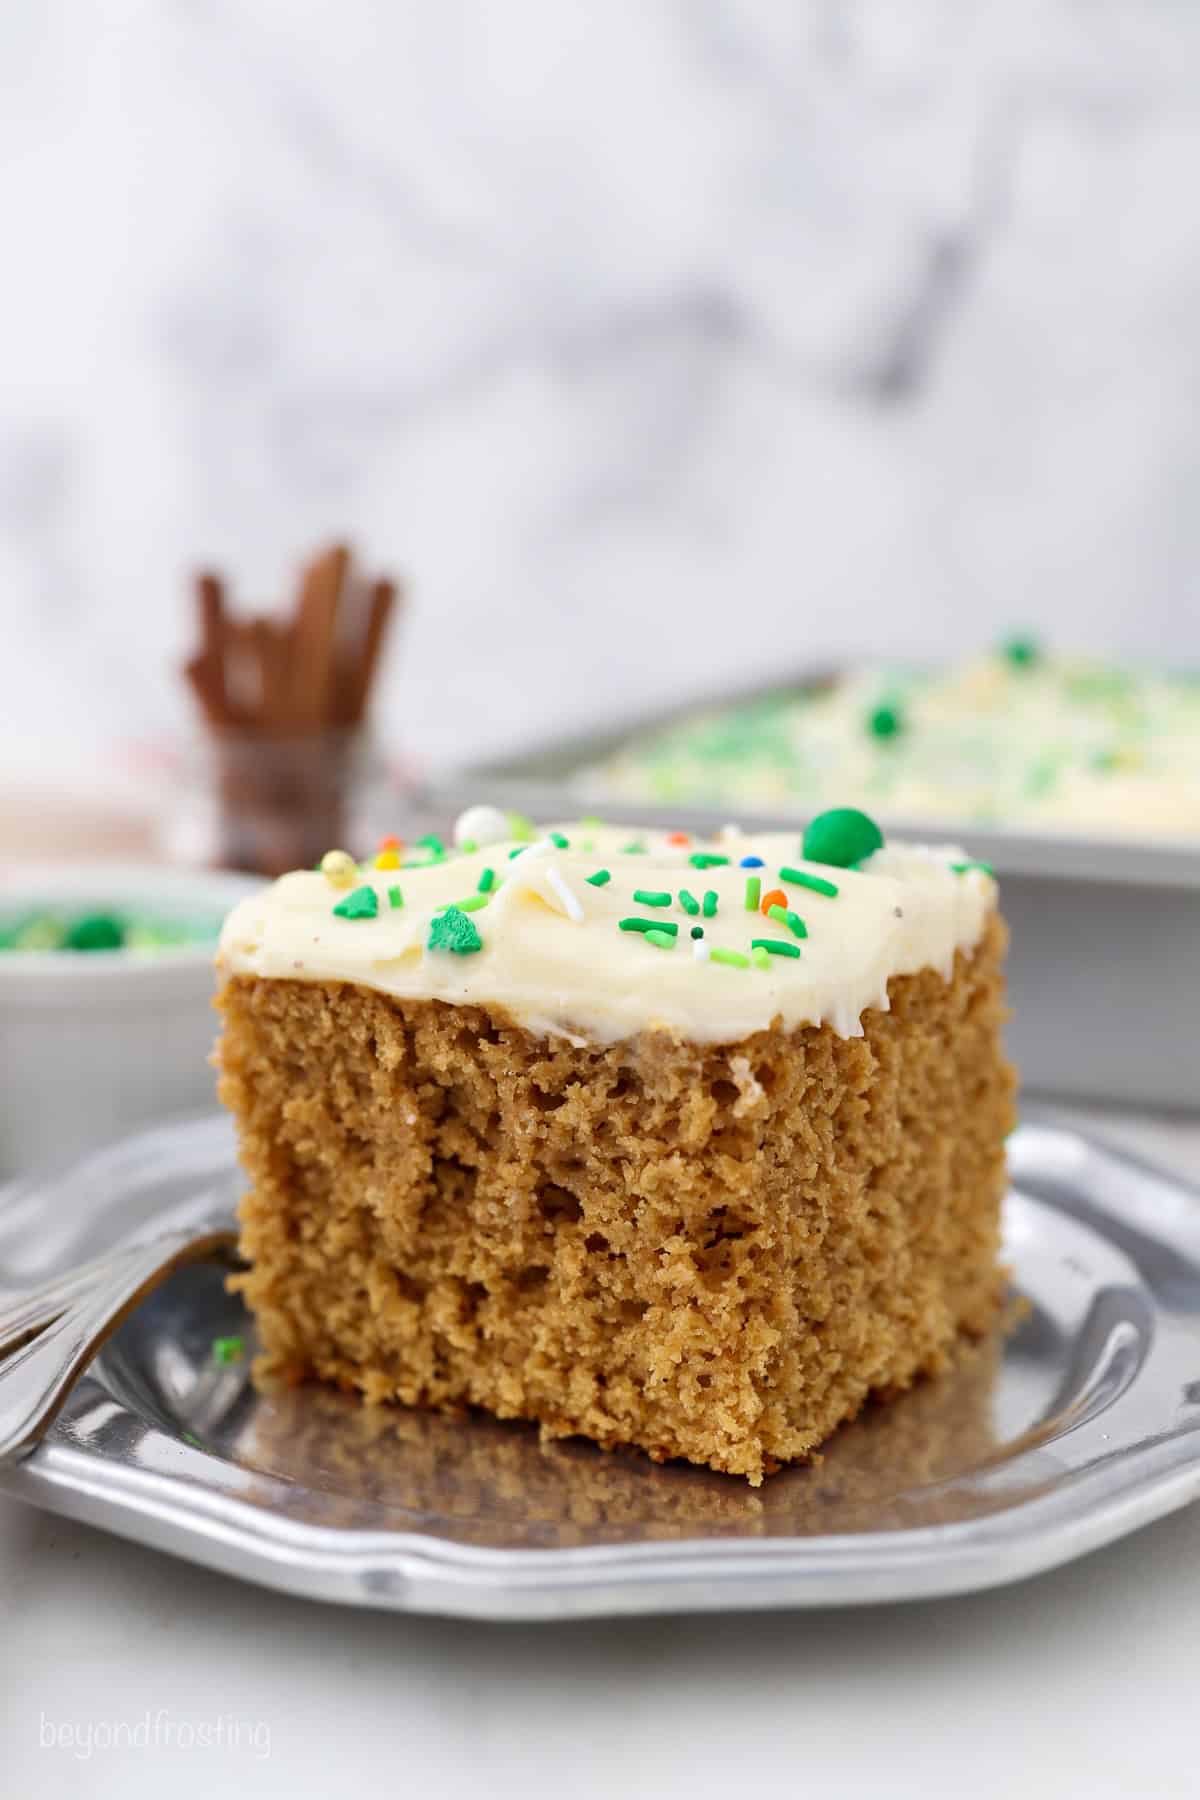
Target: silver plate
{"points": [[1079, 1426]]}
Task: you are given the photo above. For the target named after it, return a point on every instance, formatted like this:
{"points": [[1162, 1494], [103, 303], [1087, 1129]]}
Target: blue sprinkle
{"points": [[751, 862]]}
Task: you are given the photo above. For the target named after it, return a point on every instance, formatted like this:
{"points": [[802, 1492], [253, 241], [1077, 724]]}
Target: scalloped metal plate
{"points": [[1078, 1427]]}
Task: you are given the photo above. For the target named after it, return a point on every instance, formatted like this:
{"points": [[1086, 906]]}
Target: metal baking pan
{"points": [[1072, 1429], [1105, 952]]}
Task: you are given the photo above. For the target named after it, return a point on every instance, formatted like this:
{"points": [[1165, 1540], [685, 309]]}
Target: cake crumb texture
{"points": [[714, 1252]]}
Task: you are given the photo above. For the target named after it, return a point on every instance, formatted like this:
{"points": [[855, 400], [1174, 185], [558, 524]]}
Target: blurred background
{"points": [[652, 342]]}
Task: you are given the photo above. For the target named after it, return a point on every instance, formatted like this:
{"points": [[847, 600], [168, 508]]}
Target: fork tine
{"points": [[26, 1311], [35, 1380], [25, 1314]]}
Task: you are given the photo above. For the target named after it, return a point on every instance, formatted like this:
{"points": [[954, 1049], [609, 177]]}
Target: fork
{"points": [[50, 1334]]}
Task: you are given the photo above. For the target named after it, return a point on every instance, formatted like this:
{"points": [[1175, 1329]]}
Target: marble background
{"points": [[657, 340]]}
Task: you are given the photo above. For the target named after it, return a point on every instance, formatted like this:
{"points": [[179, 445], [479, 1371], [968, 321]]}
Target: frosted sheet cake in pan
{"points": [[1019, 737]]}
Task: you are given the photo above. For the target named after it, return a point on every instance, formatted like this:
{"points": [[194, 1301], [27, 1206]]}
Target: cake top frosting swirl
{"points": [[599, 932]]}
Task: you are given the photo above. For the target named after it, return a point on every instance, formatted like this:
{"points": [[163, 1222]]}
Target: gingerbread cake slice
{"points": [[685, 1145]]}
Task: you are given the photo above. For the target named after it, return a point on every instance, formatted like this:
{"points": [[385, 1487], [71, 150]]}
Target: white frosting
{"points": [[554, 958], [1065, 746]]}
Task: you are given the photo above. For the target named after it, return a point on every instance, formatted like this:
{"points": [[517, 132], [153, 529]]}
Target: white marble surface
{"points": [[656, 339], [1079, 1686]]}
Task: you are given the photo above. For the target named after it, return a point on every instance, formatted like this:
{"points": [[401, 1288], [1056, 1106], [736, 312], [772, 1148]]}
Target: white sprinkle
{"points": [[700, 950], [530, 853], [482, 825], [570, 900]]}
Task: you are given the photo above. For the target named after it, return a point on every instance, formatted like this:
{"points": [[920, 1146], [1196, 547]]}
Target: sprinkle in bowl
{"points": [[106, 981]]}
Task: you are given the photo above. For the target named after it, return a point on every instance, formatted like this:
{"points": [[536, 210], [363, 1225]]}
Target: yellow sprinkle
{"points": [[387, 859], [339, 868]]}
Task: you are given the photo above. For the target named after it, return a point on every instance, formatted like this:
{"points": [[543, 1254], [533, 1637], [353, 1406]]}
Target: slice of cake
{"points": [[690, 1146]]}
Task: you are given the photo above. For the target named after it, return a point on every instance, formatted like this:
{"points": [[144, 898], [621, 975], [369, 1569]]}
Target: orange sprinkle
{"points": [[776, 897], [391, 843], [678, 837]]}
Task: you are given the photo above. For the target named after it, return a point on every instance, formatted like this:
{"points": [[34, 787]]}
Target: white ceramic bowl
{"points": [[94, 1043]]}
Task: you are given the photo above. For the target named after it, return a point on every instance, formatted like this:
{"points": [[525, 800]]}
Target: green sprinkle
{"points": [[760, 958], [1101, 684], [662, 940], [733, 959], [487, 881], [963, 868], [519, 851], [363, 903], [885, 722], [647, 925], [395, 897], [697, 931], [776, 946], [704, 859], [591, 820], [652, 896], [816, 883], [1043, 774], [434, 845], [472, 903], [558, 840], [793, 921], [1021, 652], [227, 1350], [753, 893], [601, 878], [689, 902], [634, 849], [453, 931], [841, 837], [521, 827], [710, 904], [468, 846]]}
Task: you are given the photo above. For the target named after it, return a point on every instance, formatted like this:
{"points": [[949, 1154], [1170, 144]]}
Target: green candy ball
{"points": [[885, 722], [841, 837], [95, 931], [1021, 652]]}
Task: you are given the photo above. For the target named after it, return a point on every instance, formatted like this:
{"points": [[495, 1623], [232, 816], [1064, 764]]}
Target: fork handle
{"points": [[36, 1377]]}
